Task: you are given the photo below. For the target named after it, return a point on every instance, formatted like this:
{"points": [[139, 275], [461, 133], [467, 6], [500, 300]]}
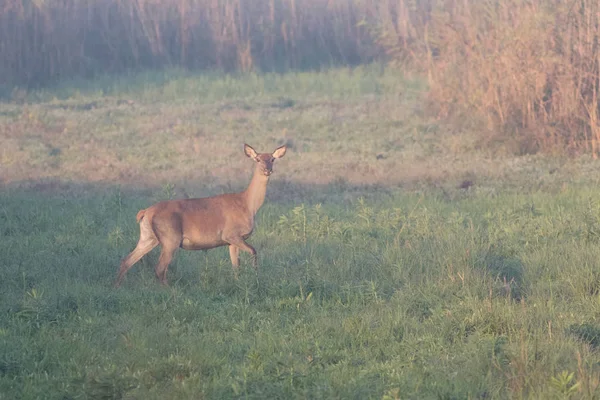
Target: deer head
{"points": [[265, 160]]}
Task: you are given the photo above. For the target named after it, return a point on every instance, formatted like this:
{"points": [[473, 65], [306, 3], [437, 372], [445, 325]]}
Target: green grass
{"points": [[378, 277], [469, 298]]}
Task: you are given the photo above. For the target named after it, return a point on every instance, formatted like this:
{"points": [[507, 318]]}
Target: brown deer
{"points": [[205, 223]]}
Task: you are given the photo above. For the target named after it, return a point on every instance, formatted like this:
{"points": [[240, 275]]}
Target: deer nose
{"points": [[268, 172]]}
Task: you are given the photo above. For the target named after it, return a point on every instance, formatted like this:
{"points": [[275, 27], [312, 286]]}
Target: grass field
{"points": [[399, 258]]}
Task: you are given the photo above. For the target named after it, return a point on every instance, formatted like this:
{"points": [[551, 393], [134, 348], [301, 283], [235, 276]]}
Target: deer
{"points": [[204, 223]]}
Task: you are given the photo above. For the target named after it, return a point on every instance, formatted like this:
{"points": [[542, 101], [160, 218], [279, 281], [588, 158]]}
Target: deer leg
{"points": [[170, 235], [241, 244], [234, 254], [147, 242], [166, 256]]}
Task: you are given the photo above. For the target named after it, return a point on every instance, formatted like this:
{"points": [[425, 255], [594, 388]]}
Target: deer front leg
{"points": [[234, 254], [241, 244]]}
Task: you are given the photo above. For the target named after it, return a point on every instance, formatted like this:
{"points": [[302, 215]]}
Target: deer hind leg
{"points": [[147, 242], [241, 244], [234, 254], [166, 256], [170, 235]]}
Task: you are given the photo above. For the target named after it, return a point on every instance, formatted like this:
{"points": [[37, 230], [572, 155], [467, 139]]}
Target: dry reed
{"points": [[526, 70]]}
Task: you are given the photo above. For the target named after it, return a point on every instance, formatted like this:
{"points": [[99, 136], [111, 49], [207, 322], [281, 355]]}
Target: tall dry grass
{"points": [[523, 70], [527, 69], [43, 40]]}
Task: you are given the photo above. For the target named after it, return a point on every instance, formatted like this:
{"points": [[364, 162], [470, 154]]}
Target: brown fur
{"points": [[204, 223]]}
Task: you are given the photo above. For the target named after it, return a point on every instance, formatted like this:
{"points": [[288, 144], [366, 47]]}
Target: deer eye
{"points": [[272, 159]]}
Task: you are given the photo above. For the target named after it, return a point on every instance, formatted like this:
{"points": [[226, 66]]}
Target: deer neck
{"points": [[256, 191]]}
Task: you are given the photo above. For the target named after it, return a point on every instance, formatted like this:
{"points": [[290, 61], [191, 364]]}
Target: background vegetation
{"points": [[526, 70]]}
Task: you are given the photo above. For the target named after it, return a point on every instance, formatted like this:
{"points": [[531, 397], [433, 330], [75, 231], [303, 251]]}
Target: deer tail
{"points": [[140, 215]]}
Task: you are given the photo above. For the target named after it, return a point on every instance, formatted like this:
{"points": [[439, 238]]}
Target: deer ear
{"points": [[280, 152], [250, 152]]}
